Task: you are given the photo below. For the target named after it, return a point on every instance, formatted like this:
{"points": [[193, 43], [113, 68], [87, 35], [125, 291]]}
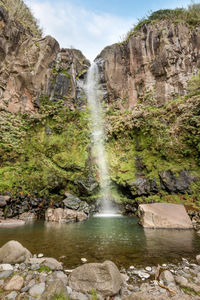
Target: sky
{"points": [[91, 25]]}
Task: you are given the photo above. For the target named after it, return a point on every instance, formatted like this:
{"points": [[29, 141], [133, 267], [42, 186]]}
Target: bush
{"points": [[22, 13], [190, 16]]}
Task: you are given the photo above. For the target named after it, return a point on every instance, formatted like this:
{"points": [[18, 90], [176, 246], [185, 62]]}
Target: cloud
{"points": [[75, 26]]}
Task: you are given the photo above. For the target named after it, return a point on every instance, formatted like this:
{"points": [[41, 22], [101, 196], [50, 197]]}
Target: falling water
{"points": [[94, 95]]}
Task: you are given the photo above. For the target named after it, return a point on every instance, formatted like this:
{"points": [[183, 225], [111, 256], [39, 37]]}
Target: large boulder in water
{"points": [[164, 215], [104, 278], [13, 252], [66, 215]]}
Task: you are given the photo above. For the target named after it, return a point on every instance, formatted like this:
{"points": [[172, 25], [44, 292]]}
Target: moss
{"points": [[44, 269], [121, 157]]}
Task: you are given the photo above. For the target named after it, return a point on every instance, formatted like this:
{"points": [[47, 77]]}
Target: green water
{"points": [[119, 239]]}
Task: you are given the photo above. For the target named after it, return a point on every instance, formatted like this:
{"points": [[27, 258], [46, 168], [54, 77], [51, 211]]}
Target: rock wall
{"points": [[31, 67], [153, 66]]}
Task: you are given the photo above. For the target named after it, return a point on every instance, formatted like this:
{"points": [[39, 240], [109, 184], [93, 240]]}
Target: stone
{"points": [[143, 275], [52, 263], [104, 278], [11, 223], [40, 255], [64, 215], [28, 216], [15, 283], [167, 277], [6, 267], [78, 296], [13, 252], [5, 274], [71, 201], [34, 260], [198, 259], [37, 290], [182, 281], [12, 296], [62, 276], [55, 288], [164, 215]]}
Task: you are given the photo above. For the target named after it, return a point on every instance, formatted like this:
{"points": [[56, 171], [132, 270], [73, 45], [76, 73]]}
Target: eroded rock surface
{"points": [[155, 64], [66, 215], [13, 252]]}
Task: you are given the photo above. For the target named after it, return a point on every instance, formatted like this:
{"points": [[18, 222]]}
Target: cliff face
{"points": [[31, 67], [153, 66]]}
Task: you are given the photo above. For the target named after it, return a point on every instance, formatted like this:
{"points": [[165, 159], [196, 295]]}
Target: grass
{"points": [[189, 16]]}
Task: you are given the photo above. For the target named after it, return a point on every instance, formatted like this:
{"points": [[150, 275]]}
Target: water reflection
{"points": [[119, 239]]}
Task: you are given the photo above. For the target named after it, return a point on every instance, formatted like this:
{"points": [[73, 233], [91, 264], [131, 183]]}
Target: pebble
{"points": [[40, 255], [84, 260], [131, 267], [5, 274], [148, 269]]}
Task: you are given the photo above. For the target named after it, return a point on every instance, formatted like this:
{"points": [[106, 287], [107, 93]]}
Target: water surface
{"points": [[119, 239]]}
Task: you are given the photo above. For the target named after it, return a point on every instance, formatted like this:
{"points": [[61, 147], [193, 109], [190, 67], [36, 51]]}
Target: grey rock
{"points": [[61, 275], [71, 201], [198, 259], [13, 252], [5, 274], [52, 263], [78, 296], [105, 278], [182, 281], [56, 287], [12, 295], [37, 290], [167, 277]]}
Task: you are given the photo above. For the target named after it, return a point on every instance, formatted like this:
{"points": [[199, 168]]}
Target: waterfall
{"points": [[94, 95]]}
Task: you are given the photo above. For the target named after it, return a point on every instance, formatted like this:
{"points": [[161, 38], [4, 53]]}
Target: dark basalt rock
{"points": [[87, 186], [176, 184]]}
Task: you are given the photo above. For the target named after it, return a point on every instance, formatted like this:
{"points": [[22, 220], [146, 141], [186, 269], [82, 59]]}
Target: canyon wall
{"points": [[153, 66]]}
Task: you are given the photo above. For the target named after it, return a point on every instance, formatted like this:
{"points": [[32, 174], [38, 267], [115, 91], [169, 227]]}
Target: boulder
{"points": [[13, 252], [104, 278], [64, 215], [56, 288], [164, 215], [71, 201], [28, 216], [37, 290], [15, 283], [52, 263]]}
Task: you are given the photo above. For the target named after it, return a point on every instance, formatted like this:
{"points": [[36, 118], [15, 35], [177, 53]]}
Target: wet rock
{"points": [[164, 215], [176, 184], [105, 278], [87, 186], [28, 216], [37, 290], [15, 283], [167, 277], [71, 201], [56, 287], [13, 252], [64, 215]]}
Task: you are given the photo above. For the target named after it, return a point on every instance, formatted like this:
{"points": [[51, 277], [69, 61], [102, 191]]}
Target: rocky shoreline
{"points": [[27, 276]]}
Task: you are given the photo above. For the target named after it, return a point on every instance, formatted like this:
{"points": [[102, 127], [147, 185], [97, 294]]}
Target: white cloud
{"points": [[74, 26]]}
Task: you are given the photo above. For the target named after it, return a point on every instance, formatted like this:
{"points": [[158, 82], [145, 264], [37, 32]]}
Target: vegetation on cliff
{"points": [[22, 13], [190, 16]]}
